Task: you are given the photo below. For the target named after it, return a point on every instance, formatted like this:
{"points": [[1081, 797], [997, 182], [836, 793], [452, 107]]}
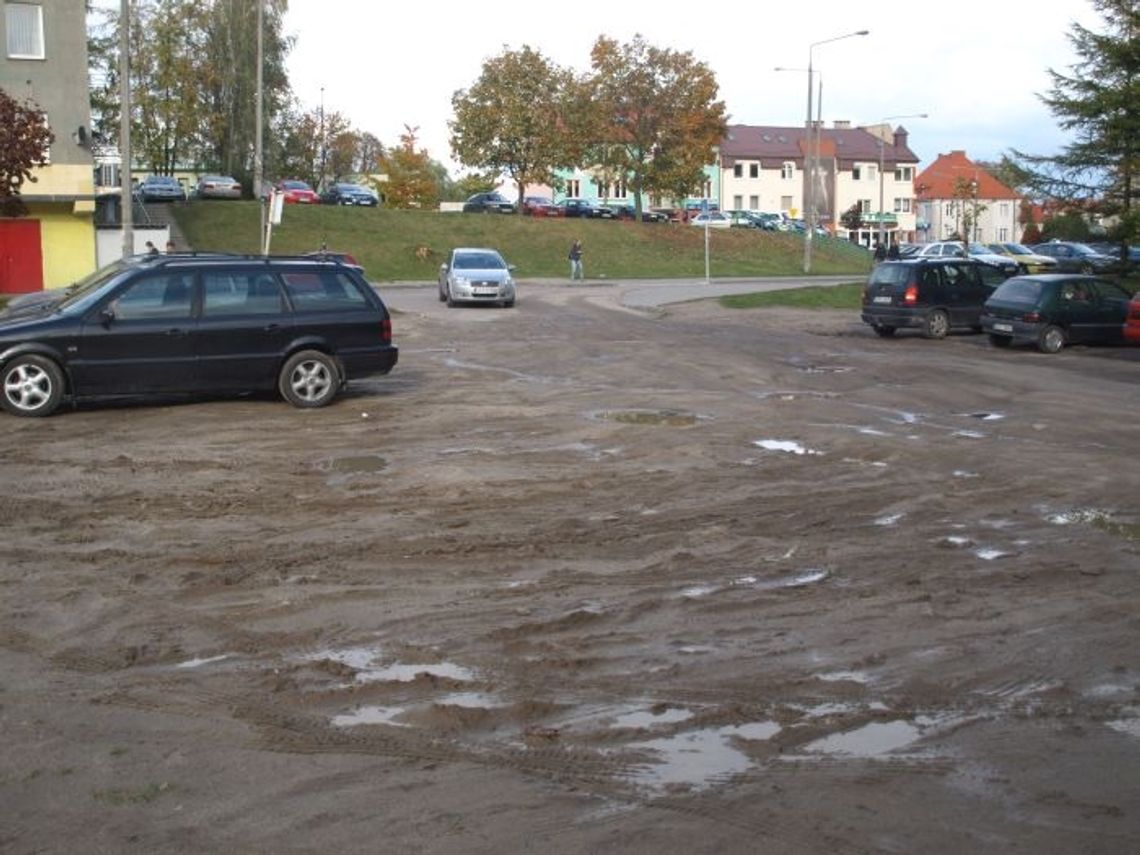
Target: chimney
{"points": [[901, 137], [842, 124]]}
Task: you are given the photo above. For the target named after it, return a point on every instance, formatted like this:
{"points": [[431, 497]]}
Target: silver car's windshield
{"points": [[478, 261]]}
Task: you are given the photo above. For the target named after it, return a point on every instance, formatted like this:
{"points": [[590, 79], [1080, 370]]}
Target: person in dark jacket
{"points": [[576, 259]]}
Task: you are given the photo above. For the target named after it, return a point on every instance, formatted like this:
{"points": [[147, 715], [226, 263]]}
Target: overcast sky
{"points": [[976, 67]]}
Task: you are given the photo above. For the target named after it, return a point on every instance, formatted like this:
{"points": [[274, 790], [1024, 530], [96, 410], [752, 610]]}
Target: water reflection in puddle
{"points": [[370, 715], [1129, 726], [787, 445], [847, 676], [870, 740], [362, 660], [889, 519], [649, 718], [196, 663], [989, 554], [699, 759]]}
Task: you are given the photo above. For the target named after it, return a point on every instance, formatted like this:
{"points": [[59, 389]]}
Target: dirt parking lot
{"points": [[578, 577]]}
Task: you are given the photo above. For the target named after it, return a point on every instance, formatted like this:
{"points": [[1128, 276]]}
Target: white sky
{"points": [[975, 66]]}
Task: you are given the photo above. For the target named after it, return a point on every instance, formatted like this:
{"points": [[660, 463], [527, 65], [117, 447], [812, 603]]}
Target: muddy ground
{"points": [[583, 578]]}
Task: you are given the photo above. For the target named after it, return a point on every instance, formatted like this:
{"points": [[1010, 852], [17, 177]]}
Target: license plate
{"points": [[1003, 327], [485, 292], [883, 299]]}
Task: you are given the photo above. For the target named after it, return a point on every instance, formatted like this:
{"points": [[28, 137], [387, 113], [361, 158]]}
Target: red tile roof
{"points": [[938, 180]]}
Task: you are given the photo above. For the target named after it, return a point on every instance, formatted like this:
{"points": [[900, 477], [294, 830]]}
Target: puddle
{"points": [[793, 395], [807, 577], [197, 663], [828, 710], [362, 660], [668, 418], [845, 676], [956, 540], [341, 469], [469, 700], [786, 445], [970, 434], [985, 417], [699, 759], [1099, 519], [824, 369], [889, 519], [370, 715], [962, 473], [695, 649], [870, 740], [987, 554], [696, 591], [1130, 726], [648, 718]]}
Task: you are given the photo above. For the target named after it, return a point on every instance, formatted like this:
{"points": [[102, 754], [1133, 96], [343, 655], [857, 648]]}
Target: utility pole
{"points": [[127, 200], [257, 146]]}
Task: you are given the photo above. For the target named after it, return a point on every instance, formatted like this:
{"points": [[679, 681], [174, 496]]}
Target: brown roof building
{"points": [[956, 195]]}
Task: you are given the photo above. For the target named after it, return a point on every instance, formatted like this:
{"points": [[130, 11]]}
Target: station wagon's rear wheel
{"points": [[1051, 339], [309, 379], [937, 324], [33, 386]]}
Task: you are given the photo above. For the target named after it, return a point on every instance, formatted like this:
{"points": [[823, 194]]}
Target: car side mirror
{"points": [[511, 267], [106, 316], [443, 267]]}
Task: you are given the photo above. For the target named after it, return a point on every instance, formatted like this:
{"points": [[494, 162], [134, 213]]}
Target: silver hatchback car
{"points": [[476, 275]]}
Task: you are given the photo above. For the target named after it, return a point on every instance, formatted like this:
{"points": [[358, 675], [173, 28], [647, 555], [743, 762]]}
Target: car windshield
{"points": [[1083, 249], [478, 261], [1017, 249], [294, 185], [1019, 290], [80, 294], [980, 249]]}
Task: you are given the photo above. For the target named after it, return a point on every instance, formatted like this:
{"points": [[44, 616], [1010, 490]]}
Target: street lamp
{"points": [[812, 157], [882, 145]]}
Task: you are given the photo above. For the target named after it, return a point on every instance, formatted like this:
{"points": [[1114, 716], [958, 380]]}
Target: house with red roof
{"points": [[764, 168], [955, 194]]}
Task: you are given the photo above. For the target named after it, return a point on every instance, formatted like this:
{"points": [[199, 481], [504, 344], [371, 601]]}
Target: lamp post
{"points": [[882, 145], [809, 207]]}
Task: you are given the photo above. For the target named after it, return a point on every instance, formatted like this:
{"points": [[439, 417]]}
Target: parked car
{"points": [[296, 192], [745, 219], [218, 187], [1113, 250], [958, 249], [488, 203], [476, 275], [1027, 260], [540, 206], [1075, 257], [931, 294], [347, 193], [1053, 310], [573, 207], [627, 211], [1132, 321], [713, 219], [174, 324], [160, 188]]}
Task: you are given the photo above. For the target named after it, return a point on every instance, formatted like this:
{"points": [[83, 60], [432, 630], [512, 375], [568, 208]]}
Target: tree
{"points": [[411, 181], [1100, 103], [513, 119], [658, 115], [852, 218], [24, 141]]}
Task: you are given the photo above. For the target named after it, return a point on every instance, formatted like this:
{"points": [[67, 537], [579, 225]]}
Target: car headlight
{"points": [[462, 281]]}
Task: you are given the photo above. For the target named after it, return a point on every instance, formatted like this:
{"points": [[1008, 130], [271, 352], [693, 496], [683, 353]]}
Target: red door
{"points": [[21, 262]]}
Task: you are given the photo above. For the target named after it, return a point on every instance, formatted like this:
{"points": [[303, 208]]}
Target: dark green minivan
{"points": [[1055, 309]]}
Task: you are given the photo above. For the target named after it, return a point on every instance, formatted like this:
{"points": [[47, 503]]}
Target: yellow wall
{"points": [[61, 179], [67, 241]]}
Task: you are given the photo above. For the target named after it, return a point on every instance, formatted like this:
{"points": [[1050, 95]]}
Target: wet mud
{"points": [[583, 578]]}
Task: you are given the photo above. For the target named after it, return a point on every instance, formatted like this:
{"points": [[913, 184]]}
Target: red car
{"points": [[540, 206], [1132, 320], [297, 192]]}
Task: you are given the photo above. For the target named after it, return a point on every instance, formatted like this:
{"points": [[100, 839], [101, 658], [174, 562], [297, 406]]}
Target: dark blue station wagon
{"points": [[165, 324]]}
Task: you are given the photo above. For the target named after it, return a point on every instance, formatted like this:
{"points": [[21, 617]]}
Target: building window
{"points": [[902, 205], [856, 172], [737, 203], [754, 170], [872, 172], [788, 171], [904, 173], [738, 170], [24, 23], [785, 203], [753, 203], [1004, 209], [865, 206], [620, 190], [1003, 235], [573, 187]]}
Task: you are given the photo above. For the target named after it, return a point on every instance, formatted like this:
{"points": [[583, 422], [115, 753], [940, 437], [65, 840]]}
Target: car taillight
{"points": [[386, 331], [910, 297], [1031, 317]]}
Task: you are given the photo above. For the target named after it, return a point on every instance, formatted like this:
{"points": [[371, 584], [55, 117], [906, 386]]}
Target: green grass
{"points": [[410, 245], [847, 296]]}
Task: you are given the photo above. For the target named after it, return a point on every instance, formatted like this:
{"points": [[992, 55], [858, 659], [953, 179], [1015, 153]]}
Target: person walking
{"points": [[576, 260], [880, 252]]}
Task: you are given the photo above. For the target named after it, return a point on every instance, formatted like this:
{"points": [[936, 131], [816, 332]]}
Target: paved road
{"points": [[649, 293]]}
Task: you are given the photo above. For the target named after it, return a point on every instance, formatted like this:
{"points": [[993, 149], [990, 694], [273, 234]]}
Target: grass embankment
{"points": [[847, 296], [409, 245]]}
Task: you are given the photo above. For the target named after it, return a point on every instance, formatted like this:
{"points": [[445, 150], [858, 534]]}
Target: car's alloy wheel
{"points": [[309, 379], [937, 324], [33, 386], [1051, 339]]}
